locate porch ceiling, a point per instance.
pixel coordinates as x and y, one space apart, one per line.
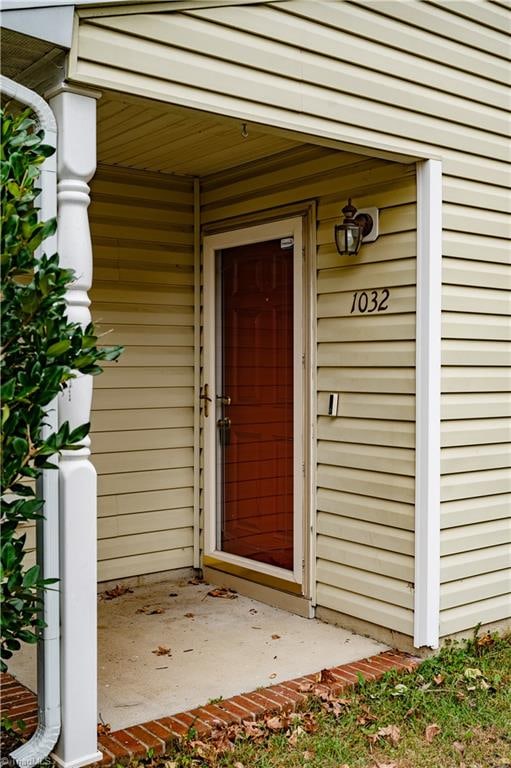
147 135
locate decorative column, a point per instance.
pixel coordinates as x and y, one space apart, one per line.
75 111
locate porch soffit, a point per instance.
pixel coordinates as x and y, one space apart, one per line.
30 61
152 136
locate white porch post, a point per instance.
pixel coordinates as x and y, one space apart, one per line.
76 162
428 389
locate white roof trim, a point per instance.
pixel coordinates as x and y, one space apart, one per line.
52 24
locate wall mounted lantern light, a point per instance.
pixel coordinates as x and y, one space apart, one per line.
356 227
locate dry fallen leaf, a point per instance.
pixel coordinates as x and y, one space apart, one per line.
326 676
485 641
293 738
439 679
275 637
162 650
385 765
390 731
366 717
251 729
309 722
225 592
458 746
104 729
274 723
117 591
150 611
431 731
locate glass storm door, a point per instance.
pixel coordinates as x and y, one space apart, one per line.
255 424
253 374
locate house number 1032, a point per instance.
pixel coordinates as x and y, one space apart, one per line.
370 301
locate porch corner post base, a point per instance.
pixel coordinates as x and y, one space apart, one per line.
75 112
88 760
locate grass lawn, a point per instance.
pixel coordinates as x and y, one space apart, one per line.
455 711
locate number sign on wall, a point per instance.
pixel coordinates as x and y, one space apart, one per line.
370 301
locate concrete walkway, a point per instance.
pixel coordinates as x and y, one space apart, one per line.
216 648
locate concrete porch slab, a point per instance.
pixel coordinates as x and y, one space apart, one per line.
218 648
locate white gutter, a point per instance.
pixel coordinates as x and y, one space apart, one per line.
48 651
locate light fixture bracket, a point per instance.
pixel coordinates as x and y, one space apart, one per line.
370 217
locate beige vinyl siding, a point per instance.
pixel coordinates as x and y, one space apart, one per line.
414 79
366 456
142 420
476 414
476 396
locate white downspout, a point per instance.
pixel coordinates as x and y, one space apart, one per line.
196 372
48 652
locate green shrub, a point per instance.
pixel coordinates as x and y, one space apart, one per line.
41 353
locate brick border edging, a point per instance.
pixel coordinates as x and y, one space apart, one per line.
18 702
158 735
127 743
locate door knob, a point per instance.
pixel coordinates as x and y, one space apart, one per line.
224 426
224 399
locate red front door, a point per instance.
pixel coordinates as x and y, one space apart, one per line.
255 420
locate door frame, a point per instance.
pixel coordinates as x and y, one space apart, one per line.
292 581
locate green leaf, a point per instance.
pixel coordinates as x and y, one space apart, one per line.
9 557
17 163
20 446
79 433
46 150
49 228
7 390
5 413
31 577
14 189
59 348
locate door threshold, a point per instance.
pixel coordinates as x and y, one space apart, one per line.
278 598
